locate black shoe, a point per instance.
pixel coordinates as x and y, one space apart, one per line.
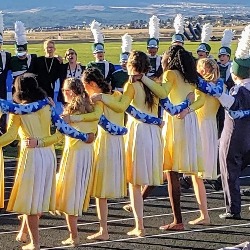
230 216
184 182
245 192
215 184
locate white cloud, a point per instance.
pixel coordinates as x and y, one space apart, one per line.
89 7
25 11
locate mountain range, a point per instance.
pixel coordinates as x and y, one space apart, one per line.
37 13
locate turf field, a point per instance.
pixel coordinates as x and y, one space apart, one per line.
113 49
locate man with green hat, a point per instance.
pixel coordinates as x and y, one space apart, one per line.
22 62
152 48
225 71
204 48
234 150
4 68
178 37
107 68
120 76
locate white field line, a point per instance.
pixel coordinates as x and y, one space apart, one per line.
125 202
126 219
152 236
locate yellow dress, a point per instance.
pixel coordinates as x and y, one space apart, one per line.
183 151
182 142
143 147
1 176
74 179
109 179
209 135
33 191
76 172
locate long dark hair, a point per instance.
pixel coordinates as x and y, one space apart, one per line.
80 102
27 89
140 63
177 58
95 75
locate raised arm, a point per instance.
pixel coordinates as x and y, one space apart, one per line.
121 105
161 90
211 89
89 117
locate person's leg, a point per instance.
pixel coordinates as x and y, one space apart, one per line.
33 224
185 182
230 171
174 196
72 226
201 197
137 206
23 231
146 191
102 212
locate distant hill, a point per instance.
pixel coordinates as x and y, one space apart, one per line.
63 13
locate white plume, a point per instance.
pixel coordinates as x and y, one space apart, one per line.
179 24
154 29
1 22
227 38
243 49
206 33
126 43
20 33
96 31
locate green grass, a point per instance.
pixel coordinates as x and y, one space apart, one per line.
113 49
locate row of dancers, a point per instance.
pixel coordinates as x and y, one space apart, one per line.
102 167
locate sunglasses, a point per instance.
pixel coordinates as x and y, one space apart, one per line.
71 53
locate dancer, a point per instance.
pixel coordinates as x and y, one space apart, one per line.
209 70
144 142
109 179
35 175
75 173
180 78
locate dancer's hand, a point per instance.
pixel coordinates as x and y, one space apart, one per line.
135 78
51 102
31 143
96 97
182 114
66 118
162 124
91 138
191 97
